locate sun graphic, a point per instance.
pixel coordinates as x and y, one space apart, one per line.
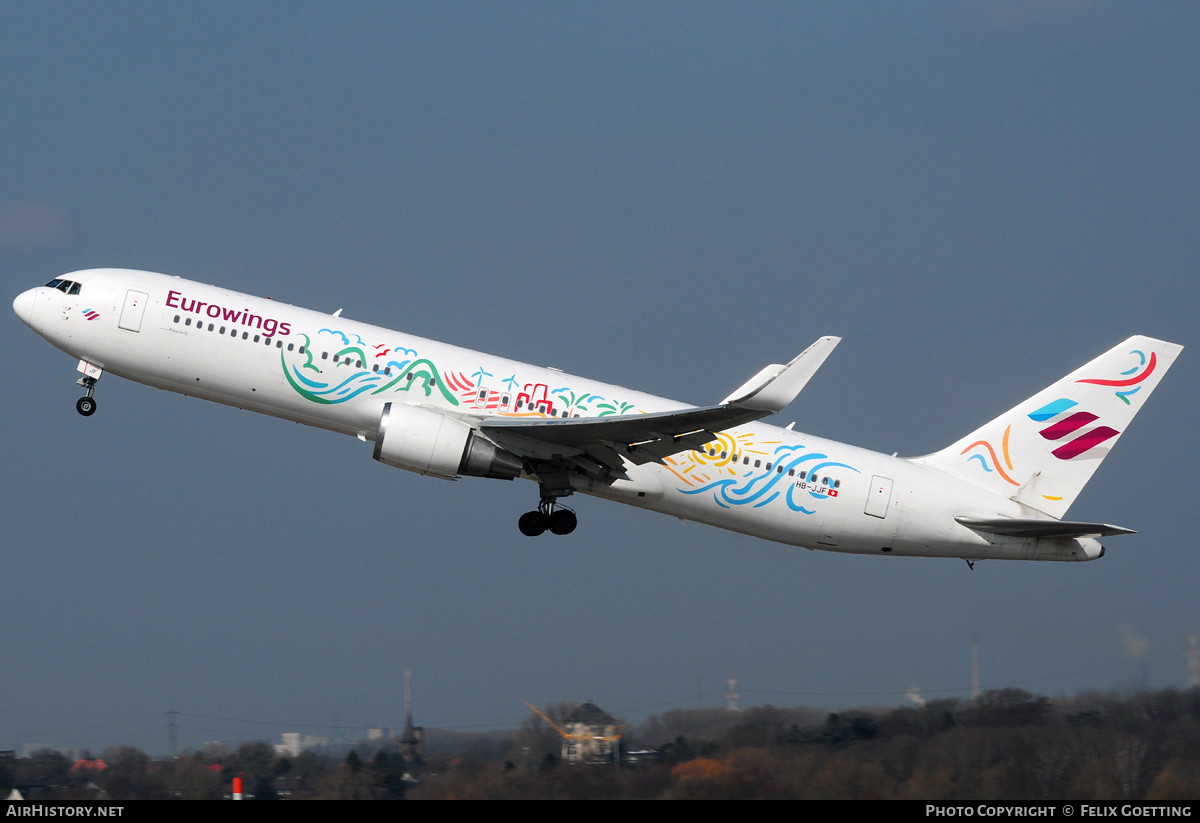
718 458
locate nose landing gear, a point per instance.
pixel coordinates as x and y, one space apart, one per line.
86 405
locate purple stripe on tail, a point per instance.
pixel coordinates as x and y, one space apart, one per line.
1067 425
1084 442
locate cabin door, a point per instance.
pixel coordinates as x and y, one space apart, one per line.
879 497
135 307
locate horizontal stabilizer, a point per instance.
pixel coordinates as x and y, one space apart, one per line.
1013 527
773 388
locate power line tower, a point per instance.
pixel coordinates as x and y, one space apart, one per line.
412 742
975 687
731 693
1193 660
172 733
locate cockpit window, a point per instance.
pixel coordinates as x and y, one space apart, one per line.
64 286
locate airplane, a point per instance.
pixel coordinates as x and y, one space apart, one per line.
1000 492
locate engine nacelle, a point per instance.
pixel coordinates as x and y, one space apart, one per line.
428 442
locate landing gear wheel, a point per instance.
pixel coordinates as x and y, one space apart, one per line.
563 521
532 524
86 406
548 514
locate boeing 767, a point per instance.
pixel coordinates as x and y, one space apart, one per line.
1000 492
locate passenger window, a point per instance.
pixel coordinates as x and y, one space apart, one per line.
387 371
757 463
302 350
325 356
222 331
279 344
210 326
375 368
245 335
187 322
291 346
256 338
177 318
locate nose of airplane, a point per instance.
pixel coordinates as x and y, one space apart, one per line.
23 305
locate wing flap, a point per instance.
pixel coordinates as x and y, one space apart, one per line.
642 438
632 428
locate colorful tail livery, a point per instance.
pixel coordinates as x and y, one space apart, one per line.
1043 452
447 412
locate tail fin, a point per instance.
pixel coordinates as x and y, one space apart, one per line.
1043 452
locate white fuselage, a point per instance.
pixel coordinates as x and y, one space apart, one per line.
334 373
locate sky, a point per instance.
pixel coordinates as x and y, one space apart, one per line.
977 197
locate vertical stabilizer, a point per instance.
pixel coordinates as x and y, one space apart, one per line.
1043 452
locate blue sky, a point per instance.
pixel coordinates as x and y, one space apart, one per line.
978 197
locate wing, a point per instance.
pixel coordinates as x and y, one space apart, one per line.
603 444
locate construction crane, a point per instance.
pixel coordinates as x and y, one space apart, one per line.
588 737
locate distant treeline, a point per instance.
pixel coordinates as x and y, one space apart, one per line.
1005 745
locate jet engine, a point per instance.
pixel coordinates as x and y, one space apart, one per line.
425 441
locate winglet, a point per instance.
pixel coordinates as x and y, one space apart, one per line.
773 388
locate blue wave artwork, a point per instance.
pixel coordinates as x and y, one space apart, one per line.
759 489
342 391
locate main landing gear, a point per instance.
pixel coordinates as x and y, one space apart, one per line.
558 519
86 405
553 482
